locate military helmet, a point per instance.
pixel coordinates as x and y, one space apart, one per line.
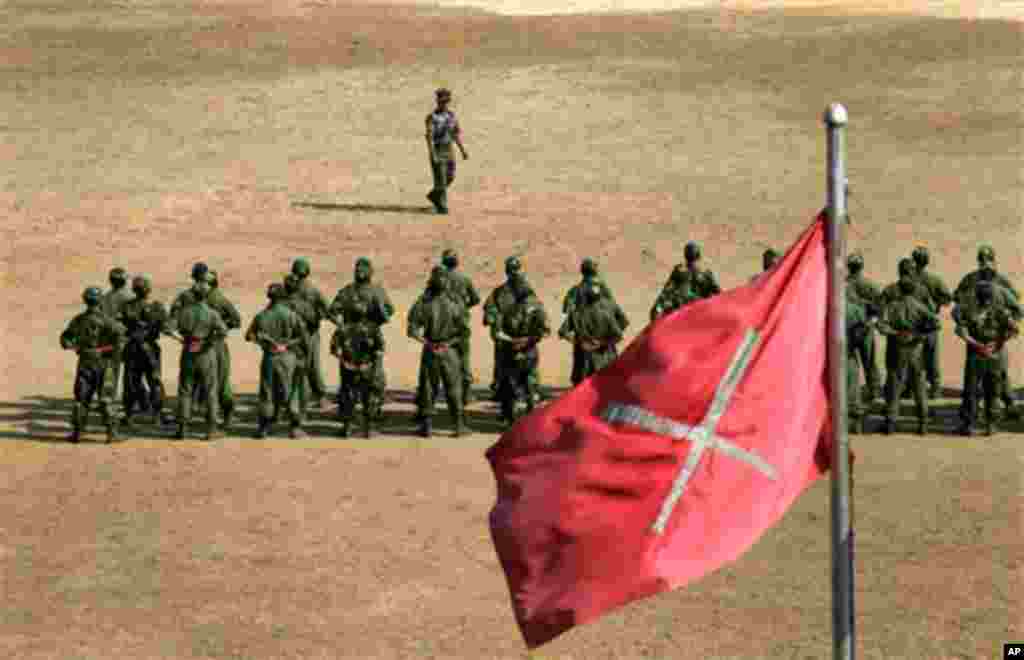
588 267
921 255
691 251
513 265
141 283
986 253
301 267
769 258
199 269
907 267
92 295
275 291
450 258
443 94
855 261
364 261
118 275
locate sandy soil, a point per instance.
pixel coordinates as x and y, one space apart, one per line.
154 134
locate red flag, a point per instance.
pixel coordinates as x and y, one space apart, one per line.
674 459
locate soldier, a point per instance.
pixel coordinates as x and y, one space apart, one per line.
517 331
907 268
595 325
677 293
442 130
905 321
201 328
460 286
985 327
940 297
591 273
295 300
856 328
769 259
869 295
282 335
501 299
145 321
379 312
111 304
438 321
317 385
356 345
96 338
1003 293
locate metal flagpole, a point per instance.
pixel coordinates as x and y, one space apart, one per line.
842 539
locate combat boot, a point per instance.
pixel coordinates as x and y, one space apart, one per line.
426 427
890 427
1012 413
988 427
366 425
922 427
344 430
460 426
76 424
853 426
180 434
228 414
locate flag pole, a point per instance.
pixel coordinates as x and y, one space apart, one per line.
842 539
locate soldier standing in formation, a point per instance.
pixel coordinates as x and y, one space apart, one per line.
460 286
439 321
233 320
685 284
940 297
595 325
299 303
894 291
574 298
145 321
318 387
201 328
356 344
111 304
516 332
869 296
97 338
1004 294
501 299
442 130
379 311
905 321
856 328
985 327
282 335
768 260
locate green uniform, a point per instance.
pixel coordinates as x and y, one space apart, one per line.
97 338
380 311
314 372
574 296
703 282
499 302
856 328
461 287
905 321
439 320
145 321
201 328
869 295
525 319
283 336
595 329
303 308
986 324
357 345
232 320
889 294
112 304
940 297
677 293
1003 294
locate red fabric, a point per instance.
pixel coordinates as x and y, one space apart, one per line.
577 495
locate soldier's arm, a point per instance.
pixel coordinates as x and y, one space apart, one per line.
567 330
1006 284
119 334
567 302
69 338
472 293
252 334
712 284
387 310
302 335
620 317
940 292
490 310
414 325
233 318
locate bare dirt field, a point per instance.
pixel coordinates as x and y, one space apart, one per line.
153 134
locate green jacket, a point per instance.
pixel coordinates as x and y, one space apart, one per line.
906 320
437 319
866 292
375 297
215 300
279 324
602 320
113 301
357 343
90 330
498 303
200 321
573 297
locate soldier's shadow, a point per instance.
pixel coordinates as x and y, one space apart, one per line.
40 419
365 208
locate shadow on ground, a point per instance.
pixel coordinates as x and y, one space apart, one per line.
364 208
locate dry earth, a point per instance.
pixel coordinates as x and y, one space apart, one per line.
152 134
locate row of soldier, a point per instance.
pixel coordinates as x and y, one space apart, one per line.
291 379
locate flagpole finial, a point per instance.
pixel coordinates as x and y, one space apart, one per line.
835 115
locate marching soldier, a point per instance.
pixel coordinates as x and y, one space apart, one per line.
282 335
356 345
985 327
905 321
869 295
940 297
438 321
595 326
442 130
379 311
517 331
677 293
460 286
295 300
501 299
145 320
96 337
201 328
111 304
317 385
1003 293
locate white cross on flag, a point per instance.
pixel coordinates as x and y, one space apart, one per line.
674 459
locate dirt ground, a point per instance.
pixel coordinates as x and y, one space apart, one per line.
153 134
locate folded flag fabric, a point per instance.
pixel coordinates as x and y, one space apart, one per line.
675 458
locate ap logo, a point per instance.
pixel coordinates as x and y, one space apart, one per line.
1015 650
